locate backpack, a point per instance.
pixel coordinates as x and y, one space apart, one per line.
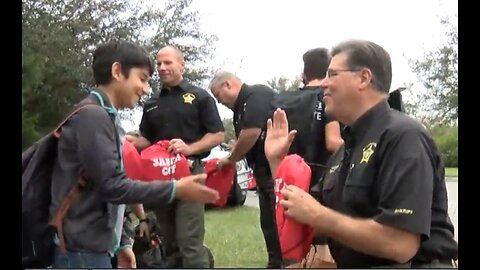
299 107
221 181
38 231
158 164
294 238
150 251
395 100
132 162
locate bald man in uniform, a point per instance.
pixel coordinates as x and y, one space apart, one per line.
188 117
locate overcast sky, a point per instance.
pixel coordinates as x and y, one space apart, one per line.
262 39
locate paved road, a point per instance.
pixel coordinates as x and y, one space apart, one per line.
452 189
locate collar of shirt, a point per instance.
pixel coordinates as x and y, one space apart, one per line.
183 86
242 97
104 102
360 127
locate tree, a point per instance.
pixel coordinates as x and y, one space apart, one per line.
179 26
438 72
282 84
415 105
59 37
446 139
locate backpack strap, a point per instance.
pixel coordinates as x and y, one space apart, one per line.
56 131
112 112
74 193
59 214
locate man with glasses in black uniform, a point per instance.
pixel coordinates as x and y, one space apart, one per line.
384 200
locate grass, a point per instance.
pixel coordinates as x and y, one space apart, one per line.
451 172
235 238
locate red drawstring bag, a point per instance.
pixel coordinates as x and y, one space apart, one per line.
295 238
132 163
158 164
221 180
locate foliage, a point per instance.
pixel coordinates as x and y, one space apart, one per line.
282 84
446 139
59 37
438 72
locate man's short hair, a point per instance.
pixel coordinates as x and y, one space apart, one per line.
315 63
366 54
220 77
129 55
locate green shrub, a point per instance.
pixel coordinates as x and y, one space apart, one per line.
446 138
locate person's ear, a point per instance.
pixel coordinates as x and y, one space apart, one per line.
228 84
182 70
116 71
366 78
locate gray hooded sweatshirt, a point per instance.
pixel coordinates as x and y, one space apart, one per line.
88 141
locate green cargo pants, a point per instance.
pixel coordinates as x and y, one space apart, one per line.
182 229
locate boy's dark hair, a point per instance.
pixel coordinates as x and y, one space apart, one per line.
129 56
315 63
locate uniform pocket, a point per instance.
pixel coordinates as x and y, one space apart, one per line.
358 194
328 185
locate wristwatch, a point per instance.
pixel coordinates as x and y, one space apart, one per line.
144 220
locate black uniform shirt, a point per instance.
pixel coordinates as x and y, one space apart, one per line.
390 171
186 112
252 110
317 154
